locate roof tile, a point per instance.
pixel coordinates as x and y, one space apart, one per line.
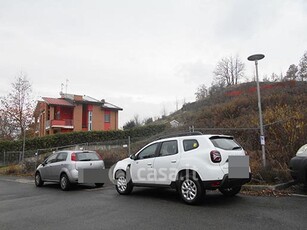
57 101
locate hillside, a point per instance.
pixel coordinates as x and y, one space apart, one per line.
234 111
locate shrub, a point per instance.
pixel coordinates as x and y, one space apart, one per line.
80 137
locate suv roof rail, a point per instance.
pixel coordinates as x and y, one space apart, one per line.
180 135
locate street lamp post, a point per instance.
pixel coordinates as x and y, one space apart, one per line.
256 58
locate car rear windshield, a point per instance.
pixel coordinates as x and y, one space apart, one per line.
87 156
227 143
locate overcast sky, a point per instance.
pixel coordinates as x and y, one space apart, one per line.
143 55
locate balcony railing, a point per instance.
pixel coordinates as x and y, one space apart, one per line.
65 123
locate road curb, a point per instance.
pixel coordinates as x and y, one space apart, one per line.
269 187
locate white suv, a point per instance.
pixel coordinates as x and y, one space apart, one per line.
191 163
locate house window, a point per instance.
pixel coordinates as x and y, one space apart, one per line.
90 119
107 117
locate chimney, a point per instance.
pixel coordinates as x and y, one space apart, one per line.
78 98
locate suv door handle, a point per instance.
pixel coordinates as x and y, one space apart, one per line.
149 164
173 161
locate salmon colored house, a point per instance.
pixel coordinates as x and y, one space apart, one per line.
72 113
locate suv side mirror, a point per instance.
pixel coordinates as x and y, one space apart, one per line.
132 157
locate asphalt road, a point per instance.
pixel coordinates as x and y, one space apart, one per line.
23 206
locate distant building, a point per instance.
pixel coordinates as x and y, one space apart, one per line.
71 113
174 124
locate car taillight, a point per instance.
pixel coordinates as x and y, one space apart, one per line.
215 156
99 156
73 157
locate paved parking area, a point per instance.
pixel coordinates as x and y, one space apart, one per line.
23 206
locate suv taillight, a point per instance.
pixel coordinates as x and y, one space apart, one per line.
215 156
73 157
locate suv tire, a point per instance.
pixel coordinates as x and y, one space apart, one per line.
229 192
190 189
122 186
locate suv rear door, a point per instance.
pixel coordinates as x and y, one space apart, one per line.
166 162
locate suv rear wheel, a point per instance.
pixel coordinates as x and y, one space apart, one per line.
123 186
230 191
190 189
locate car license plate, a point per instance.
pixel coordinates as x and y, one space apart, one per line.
238 167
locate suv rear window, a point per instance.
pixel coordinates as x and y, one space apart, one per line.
87 156
227 143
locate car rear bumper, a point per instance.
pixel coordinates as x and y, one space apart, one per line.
226 182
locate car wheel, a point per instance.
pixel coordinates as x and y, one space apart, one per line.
230 191
190 189
64 182
99 185
38 180
123 186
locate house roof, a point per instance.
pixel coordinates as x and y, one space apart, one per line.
108 105
71 100
57 101
80 98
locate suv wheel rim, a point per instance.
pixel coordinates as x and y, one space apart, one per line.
122 183
189 189
63 182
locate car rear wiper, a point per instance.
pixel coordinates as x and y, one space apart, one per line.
86 160
237 147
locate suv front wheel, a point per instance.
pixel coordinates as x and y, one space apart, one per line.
123 186
190 189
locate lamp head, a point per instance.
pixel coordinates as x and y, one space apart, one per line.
255 57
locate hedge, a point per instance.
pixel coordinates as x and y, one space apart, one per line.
72 138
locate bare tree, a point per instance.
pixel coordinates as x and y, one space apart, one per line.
164 111
147 121
6 130
229 71
292 72
302 67
136 119
17 106
202 92
129 125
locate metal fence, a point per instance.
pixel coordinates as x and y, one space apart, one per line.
33 158
123 147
